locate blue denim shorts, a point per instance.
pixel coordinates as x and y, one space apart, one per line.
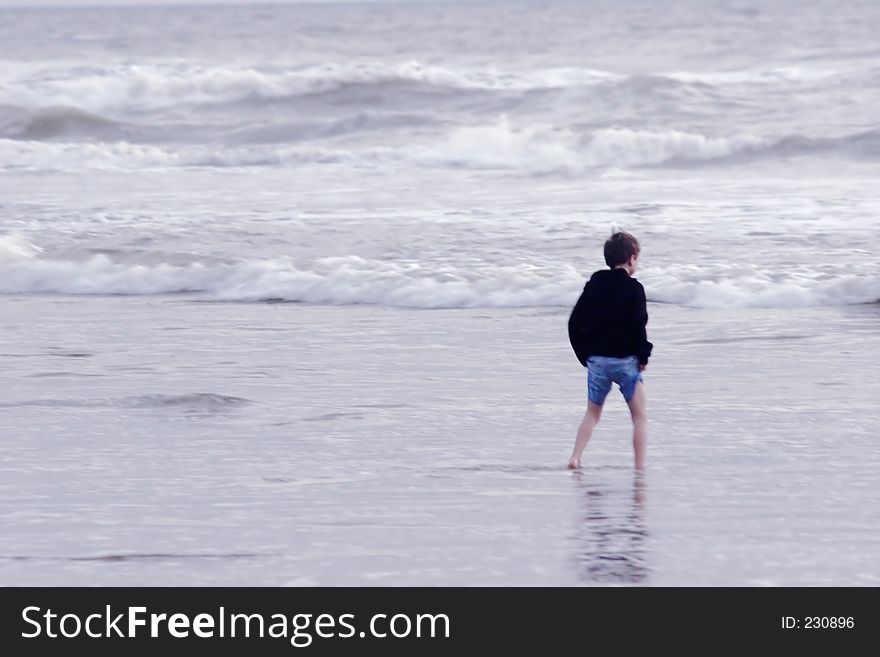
605 370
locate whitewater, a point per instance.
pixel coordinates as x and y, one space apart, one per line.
243 246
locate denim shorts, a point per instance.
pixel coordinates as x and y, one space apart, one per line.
603 370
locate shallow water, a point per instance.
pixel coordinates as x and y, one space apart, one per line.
191 443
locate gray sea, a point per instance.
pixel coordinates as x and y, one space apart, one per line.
284 292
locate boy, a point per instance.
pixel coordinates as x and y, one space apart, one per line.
607 333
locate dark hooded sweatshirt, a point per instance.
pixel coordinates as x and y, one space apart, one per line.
610 317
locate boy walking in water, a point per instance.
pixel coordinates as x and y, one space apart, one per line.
607 333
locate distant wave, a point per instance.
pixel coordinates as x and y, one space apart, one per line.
354 280
145 88
148 88
861 145
529 149
73 125
372 115
52 122
545 148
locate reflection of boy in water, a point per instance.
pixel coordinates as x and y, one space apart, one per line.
613 542
607 333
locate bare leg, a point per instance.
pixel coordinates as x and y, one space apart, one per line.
591 419
638 408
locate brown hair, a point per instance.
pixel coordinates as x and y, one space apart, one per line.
619 248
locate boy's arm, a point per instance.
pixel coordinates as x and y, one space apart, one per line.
643 347
577 325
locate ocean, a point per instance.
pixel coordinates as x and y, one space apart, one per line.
284 292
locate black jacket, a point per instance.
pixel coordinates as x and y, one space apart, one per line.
610 317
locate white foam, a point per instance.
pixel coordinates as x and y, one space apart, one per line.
355 280
504 146
16 248
546 148
346 280
751 287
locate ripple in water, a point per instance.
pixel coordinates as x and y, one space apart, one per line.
196 401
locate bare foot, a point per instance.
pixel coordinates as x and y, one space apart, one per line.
573 465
